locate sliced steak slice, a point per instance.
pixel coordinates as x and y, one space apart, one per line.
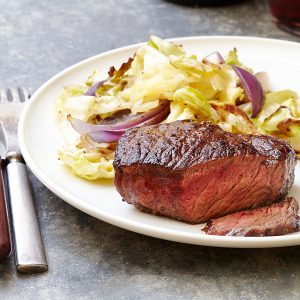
276 219
194 172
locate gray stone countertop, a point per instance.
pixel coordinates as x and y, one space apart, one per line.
90 259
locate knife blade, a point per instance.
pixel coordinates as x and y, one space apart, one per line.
5 244
2 142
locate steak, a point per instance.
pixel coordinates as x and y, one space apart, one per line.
276 219
194 172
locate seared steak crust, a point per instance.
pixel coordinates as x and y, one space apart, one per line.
195 171
276 219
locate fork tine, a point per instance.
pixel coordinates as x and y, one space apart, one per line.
25 93
3 95
15 95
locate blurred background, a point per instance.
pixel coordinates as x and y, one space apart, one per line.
40 38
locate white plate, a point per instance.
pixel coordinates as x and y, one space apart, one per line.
40 138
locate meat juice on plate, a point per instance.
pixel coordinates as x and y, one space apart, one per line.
286 14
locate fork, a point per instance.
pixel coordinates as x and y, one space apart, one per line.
28 246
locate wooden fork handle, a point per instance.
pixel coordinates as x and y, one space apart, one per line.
5 246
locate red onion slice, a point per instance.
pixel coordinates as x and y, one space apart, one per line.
111 133
253 89
93 89
125 123
214 58
157 118
87 128
105 136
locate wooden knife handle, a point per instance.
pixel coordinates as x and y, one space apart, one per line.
5 246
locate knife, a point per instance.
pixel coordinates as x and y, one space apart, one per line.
5 245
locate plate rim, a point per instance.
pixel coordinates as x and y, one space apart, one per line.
135 226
